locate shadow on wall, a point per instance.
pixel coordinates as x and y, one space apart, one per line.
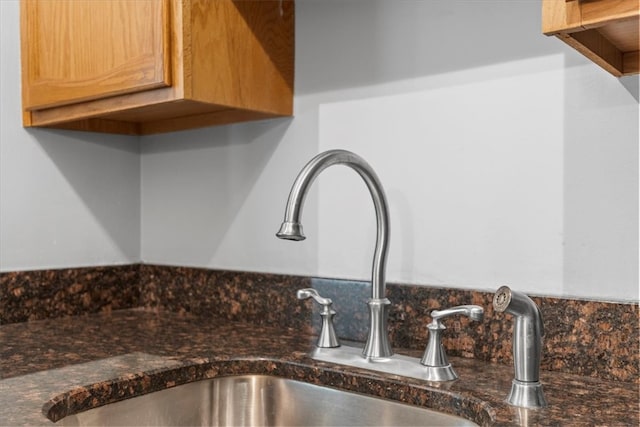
103 171
632 84
370 42
195 191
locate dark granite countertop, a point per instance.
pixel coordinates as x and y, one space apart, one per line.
60 366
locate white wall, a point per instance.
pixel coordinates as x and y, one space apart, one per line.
506 157
66 198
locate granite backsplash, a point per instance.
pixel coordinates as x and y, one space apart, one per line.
43 294
589 338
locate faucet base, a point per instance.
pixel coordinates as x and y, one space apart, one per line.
526 395
441 373
397 364
377 345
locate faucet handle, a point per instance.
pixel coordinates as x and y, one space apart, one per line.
312 293
435 357
473 312
327 338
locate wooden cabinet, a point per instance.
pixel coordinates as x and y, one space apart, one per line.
150 66
605 31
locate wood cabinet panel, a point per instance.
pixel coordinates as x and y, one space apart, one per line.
86 49
194 63
259 52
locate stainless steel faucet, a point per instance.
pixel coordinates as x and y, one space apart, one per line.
526 389
377 354
377 345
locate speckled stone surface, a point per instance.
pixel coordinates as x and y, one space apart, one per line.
42 294
589 338
55 367
265 299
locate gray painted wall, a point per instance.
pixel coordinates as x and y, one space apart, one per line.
66 198
506 156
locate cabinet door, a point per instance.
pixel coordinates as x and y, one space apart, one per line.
77 50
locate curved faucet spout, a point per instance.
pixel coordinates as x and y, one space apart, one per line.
291 228
378 343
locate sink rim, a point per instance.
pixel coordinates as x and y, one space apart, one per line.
422 394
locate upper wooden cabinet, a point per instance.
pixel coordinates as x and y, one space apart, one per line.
605 31
150 66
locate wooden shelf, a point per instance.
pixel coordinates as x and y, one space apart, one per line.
605 31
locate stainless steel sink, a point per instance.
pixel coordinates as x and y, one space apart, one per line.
256 400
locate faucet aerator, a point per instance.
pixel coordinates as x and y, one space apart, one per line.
290 231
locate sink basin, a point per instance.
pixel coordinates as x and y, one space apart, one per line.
257 400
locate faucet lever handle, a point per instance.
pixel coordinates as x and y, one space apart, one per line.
434 358
473 312
328 337
312 293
